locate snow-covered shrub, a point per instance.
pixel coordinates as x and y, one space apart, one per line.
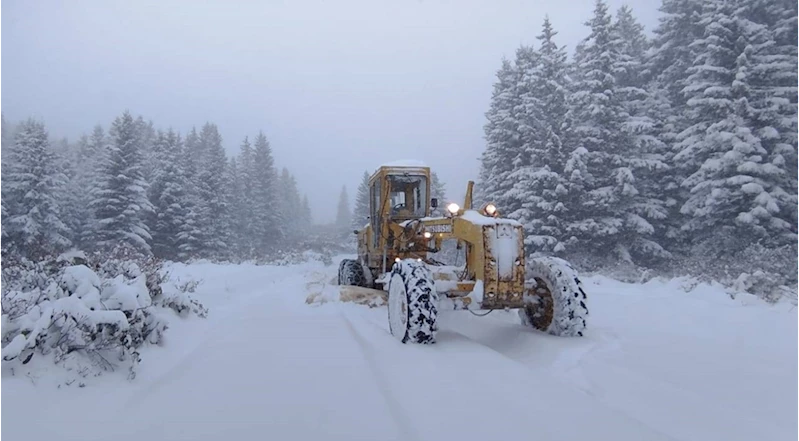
768 272
88 315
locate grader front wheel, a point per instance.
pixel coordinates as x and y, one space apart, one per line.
555 301
412 303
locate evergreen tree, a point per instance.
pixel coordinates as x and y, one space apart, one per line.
734 189
290 204
92 155
360 213
121 205
191 241
502 137
267 218
32 184
343 216
648 155
167 195
212 190
609 216
307 218
147 137
438 190
538 182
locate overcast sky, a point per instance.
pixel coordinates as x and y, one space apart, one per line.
338 87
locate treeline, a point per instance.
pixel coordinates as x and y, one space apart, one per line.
678 148
155 191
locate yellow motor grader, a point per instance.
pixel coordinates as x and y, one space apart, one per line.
394 251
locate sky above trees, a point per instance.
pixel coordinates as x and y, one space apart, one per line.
338 88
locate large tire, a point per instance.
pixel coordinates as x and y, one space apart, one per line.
350 273
412 303
555 301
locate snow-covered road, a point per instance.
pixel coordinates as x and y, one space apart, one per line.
657 364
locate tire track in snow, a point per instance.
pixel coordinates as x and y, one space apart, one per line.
404 424
466 354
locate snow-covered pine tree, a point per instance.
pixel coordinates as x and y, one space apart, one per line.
244 225
343 213
147 138
267 218
525 116
769 29
71 205
735 192
290 206
121 206
167 195
239 242
31 184
212 189
92 156
605 218
647 159
672 53
670 56
438 190
538 183
191 243
307 218
502 137
360 212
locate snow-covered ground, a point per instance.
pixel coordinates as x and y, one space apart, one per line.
657 364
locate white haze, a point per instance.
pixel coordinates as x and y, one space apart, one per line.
338 87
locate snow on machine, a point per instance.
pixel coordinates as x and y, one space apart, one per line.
393 250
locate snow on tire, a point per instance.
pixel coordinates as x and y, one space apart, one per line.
556 301
412 303
350 273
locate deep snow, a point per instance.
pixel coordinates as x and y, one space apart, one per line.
658 363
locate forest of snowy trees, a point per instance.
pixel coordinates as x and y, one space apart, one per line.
678 149
160 193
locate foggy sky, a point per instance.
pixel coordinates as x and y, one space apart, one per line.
338 87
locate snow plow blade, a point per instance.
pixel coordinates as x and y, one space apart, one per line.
321 292
363 296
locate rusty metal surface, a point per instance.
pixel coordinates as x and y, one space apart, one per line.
502 290
541 309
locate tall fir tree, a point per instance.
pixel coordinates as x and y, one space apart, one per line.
735 192
121 205
343 213
290 206
438 190
501 135
538 183
360 212
212 189
32 183
267 217
307 217
167 194
93 154
610 216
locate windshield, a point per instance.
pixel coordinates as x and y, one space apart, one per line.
408 196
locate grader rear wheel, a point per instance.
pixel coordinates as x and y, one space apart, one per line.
555 301
351 273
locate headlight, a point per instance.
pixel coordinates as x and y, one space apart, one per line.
453 208
490 209
428 235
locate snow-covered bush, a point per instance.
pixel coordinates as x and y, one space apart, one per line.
87 314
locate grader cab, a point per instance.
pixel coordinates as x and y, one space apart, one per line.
394 249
